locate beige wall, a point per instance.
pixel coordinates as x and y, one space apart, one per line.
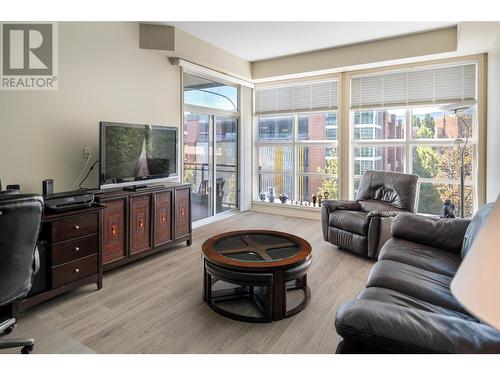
103 75
493 113
174 42
420 44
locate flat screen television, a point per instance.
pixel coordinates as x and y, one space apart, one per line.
132 154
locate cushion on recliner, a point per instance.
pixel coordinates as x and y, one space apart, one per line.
398 189
352 221
421 256
425 285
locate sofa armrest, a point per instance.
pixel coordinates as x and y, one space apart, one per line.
378 326
446 234
328 206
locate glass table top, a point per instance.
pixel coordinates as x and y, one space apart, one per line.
254 247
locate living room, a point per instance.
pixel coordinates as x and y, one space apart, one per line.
207 185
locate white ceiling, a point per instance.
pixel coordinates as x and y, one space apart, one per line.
254 41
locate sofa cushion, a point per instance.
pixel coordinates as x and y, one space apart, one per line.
422 284
446 234
421 256
392 297
376 326
351 221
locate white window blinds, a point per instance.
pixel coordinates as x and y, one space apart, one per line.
317 96
423 86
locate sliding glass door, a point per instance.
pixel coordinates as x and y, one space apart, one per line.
211 163
211 121
198 169
226 163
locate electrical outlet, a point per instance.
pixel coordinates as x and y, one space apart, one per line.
87 152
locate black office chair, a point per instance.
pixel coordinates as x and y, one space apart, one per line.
20 222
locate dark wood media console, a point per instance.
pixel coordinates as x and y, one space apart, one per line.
143 222
76 246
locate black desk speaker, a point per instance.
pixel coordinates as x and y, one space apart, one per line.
47 187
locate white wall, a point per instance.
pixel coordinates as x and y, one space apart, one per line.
493 132
103 75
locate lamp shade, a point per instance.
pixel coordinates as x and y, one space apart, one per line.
476 284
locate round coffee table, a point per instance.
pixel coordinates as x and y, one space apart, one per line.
257 267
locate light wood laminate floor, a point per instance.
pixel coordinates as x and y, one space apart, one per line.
155 306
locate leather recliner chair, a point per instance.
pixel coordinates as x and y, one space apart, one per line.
362 225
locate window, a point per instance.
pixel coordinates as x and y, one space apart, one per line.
399 125
203 92
297 151
430 151
275 128
397 122
418 137
299 166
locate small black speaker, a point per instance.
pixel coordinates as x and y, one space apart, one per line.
48 187
14 187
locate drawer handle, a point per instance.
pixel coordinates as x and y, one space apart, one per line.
76 227
77 248
183 211
77 270
163 218
113 230
140 224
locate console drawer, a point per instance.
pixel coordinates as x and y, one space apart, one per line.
75 270
72 227
67 251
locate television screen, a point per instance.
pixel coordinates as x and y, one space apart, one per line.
131 152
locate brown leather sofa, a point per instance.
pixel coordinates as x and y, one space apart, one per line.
357 225
407 305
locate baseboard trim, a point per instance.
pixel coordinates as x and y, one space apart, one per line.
311 213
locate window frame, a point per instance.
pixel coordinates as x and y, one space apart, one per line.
205 109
